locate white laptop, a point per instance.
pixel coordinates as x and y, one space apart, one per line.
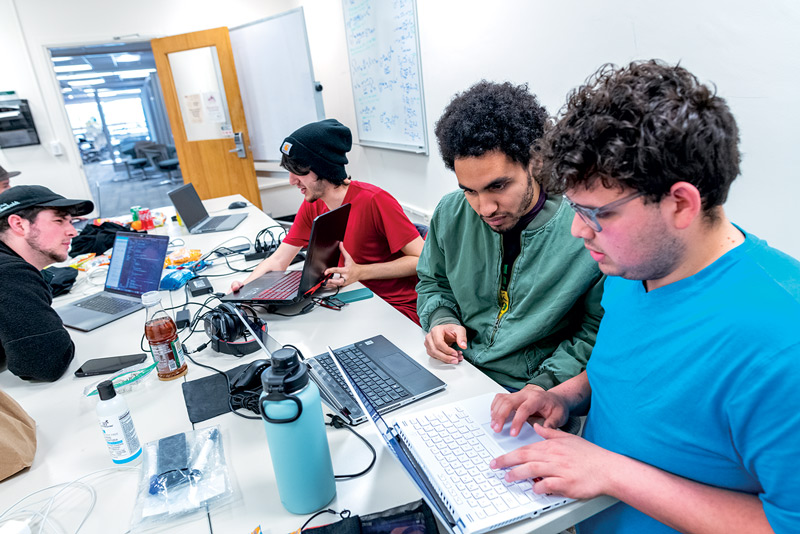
137 261
446 451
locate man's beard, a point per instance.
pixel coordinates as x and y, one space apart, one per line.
523 209
55 256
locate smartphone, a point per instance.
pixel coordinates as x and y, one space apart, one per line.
111 364
354 295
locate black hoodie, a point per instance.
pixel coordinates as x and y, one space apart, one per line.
33 341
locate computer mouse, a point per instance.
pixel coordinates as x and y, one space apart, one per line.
237 205
249 378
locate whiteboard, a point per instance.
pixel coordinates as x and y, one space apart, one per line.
276 80
386 73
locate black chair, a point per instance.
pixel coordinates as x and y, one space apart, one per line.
131 162
158 158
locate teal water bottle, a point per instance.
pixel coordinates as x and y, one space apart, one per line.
292 413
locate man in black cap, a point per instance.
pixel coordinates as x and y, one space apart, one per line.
35 231
381 246
5 178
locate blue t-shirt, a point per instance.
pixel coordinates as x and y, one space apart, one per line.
700 378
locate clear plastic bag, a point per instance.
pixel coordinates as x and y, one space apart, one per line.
175 482
128 379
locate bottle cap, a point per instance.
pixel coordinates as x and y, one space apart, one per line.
150 298
286 371
105 390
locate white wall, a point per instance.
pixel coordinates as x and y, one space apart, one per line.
748 49
29 27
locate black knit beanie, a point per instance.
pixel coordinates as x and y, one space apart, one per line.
322 147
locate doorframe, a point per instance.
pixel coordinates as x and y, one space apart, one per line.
71 149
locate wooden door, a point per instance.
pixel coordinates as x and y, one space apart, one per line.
201 93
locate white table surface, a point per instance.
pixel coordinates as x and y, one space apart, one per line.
70 444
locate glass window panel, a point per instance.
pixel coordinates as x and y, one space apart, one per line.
198 82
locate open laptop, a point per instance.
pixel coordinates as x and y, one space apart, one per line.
385 373
391 377
446 451
289 287
194 214
136 264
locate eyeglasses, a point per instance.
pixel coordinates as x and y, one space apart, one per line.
589 215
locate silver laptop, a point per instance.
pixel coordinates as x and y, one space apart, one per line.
137 261
194 215
385 373
446 451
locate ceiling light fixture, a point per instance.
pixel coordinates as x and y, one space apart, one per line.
107 93
84 76
127 58
72 68
127 74
96 81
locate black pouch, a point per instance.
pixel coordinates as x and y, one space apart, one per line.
412 518
96 239
60 279
207 397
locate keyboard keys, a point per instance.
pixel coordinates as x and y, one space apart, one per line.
373 381
455 442
284 288
214 222
106 304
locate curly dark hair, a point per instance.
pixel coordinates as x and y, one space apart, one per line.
645 126
491 116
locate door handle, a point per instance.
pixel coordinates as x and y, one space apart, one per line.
238 140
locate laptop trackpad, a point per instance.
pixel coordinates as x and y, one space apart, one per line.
399 364
526 436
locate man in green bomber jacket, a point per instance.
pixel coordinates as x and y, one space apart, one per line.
502 282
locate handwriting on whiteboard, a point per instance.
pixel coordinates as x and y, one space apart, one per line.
385 69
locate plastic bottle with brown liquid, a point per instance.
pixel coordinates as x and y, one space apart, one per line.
162 335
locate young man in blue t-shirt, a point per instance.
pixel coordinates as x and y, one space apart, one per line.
693 415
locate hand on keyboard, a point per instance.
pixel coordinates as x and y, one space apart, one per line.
564 464
529 401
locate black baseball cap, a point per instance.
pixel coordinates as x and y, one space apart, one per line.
20 197
5 175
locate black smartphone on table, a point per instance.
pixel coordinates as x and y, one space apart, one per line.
111 364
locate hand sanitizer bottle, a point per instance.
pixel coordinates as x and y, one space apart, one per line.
117 425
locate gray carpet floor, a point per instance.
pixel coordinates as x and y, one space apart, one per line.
114 192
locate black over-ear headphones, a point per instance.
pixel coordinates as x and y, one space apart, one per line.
223 327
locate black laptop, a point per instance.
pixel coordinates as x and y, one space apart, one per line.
137 261
289 287
194 215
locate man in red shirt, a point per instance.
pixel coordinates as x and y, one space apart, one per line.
381 246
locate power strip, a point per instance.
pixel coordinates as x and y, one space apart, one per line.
255 256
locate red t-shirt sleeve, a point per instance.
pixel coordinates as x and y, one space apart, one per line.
300 232
392 221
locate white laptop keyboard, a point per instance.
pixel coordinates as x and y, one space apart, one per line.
460 447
